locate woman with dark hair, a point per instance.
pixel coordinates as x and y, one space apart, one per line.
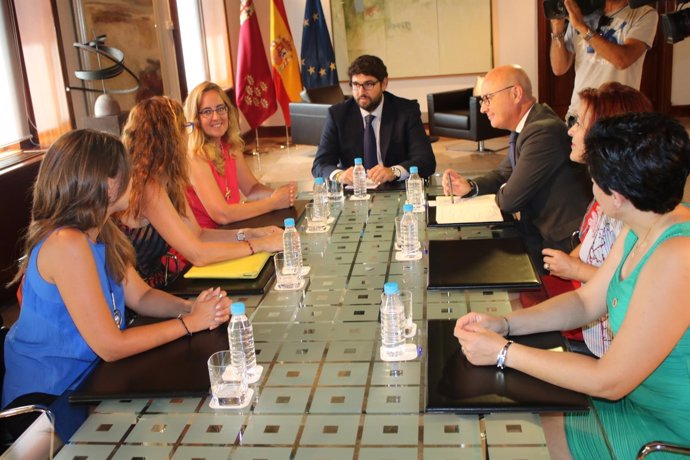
159 217
218 171
598 231
78 274
639 164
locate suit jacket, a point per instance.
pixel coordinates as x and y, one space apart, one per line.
550 192
403 140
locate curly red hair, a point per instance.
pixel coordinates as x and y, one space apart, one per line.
155 139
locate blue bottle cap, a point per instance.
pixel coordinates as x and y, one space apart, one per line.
414 170
407 207
390 288
237 308
358 161
289 222
318 180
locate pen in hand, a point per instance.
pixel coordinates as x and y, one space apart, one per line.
450 187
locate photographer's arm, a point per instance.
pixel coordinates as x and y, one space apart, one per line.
561 58
621 56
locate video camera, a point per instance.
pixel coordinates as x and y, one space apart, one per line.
675 26
555 9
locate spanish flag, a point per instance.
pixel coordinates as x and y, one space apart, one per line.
286 74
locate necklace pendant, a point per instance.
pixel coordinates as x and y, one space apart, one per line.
227 193
117 317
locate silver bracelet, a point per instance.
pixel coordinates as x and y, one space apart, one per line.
501 358
507 326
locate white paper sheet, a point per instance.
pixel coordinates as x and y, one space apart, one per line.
477 209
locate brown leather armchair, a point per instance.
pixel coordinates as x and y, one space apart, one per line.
456 114
309 116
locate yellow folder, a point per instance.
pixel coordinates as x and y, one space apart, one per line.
245 268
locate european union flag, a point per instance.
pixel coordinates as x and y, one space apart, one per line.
318 59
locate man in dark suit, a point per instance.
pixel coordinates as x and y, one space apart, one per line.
537 178
386 131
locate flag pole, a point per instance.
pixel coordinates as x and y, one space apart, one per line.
287 144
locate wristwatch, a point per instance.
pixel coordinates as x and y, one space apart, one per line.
396 172
240 235
474 189
588 36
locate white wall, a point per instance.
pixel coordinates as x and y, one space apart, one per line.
680 89
515 35
514 24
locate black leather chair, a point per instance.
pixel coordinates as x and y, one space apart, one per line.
309 116
5 438
456 114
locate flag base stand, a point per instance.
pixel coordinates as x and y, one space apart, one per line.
257 147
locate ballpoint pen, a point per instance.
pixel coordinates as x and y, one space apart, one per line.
450 186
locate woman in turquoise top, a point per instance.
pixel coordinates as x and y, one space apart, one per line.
79 274
640 387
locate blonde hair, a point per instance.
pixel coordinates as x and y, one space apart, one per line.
71 190
198 142
154 138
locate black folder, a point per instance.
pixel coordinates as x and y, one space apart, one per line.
454 385
176 369
496 263
184 287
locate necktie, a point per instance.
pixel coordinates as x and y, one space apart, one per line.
512 152
370 157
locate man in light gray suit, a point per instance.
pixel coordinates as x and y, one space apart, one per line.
537 178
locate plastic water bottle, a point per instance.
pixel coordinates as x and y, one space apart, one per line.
392 320
241 339
359 179
292 246
320 199
415 189
409 231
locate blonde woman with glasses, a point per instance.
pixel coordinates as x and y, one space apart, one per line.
219 174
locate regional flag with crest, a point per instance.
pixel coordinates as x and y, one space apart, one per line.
318 58
286 76
255 94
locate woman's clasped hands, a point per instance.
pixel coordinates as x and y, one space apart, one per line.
480 337
209 310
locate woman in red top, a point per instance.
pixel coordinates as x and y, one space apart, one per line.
218 172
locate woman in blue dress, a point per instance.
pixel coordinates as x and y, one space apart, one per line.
79 274
640 387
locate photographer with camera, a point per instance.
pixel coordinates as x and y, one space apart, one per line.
606 40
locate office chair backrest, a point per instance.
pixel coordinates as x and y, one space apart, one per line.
324 95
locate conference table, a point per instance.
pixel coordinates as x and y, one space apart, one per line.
325 393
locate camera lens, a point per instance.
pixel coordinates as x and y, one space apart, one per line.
676 26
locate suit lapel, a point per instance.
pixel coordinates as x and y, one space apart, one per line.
534 114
